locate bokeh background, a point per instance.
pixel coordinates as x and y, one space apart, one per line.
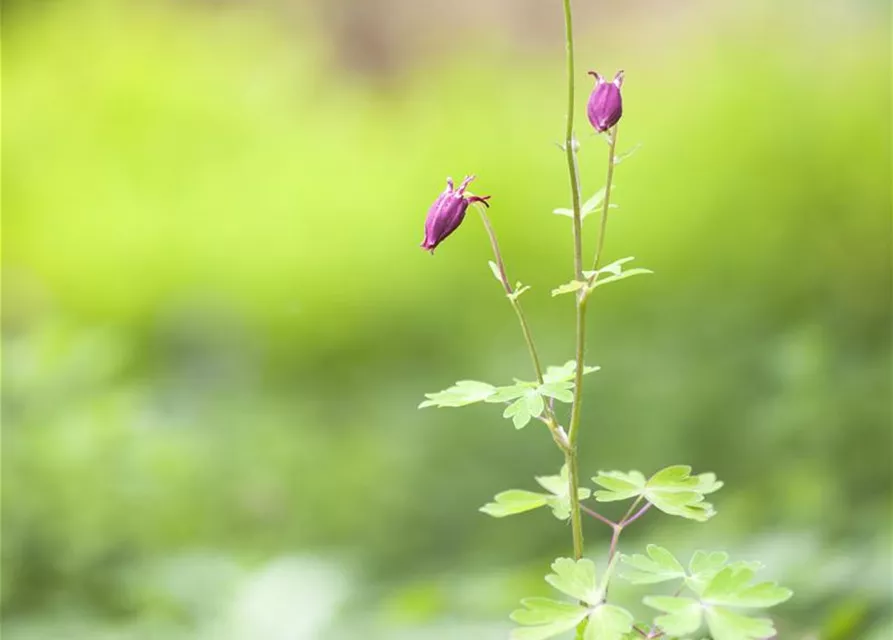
217 322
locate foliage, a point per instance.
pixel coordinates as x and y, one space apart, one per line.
158 216
719 588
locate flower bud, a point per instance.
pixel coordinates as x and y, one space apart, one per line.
605 105
447 213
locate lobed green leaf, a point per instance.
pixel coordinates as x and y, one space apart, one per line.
514 501
682 615
462 393
729 625
608 622
569 287
545 618
576 578
565 372
659 566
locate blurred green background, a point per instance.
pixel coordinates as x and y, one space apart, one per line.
217 322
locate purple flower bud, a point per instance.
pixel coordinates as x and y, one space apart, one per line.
447 213
605 105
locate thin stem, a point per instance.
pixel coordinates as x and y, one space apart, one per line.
551 421
579 355
570 151
639 514
510 292
500 265
570 458
614 539
632 508
597 516
606 203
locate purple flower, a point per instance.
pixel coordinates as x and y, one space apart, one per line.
605 105
447 213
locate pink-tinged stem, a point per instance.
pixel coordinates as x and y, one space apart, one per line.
614 538
637 515
598 516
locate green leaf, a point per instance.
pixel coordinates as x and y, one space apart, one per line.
621 276
565 372
675 491
519 291
615 272
707 483
528 403
569 287
593 203
707 563
460 394
535 403
719 585
519 412
514 501
615 268
683 615
509 393
561 391
545 618
726 582
702 567
559 487
728 625
626 154
731 587
619 485
659 566
577 579
495 269
608 622
586 208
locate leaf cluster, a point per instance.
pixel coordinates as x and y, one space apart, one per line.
604 275
525 400
719 591
516 501
673 490
543 618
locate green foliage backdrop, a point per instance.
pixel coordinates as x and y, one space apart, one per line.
218 323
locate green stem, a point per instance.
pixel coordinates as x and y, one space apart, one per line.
570 151
570 459
606 203
551 421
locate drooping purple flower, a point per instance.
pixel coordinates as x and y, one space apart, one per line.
447 213
605 104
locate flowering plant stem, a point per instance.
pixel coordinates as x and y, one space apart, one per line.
550 419
673 490
571 155
606 203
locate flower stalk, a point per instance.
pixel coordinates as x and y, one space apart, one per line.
570 150
551 421
606 203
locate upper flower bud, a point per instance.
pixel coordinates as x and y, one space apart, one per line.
447 213
605 105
